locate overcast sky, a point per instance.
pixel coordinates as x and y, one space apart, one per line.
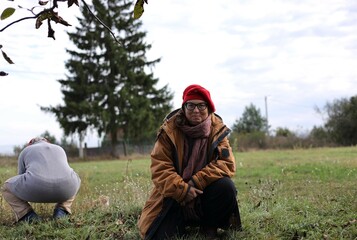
297 54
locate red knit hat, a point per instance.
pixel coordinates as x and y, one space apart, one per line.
197 92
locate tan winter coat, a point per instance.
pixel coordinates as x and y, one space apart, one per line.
166 168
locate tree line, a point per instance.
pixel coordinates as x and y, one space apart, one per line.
339 129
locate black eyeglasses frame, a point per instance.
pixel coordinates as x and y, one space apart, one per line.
200 106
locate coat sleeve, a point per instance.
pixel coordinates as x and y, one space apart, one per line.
21 168
222 166
163 171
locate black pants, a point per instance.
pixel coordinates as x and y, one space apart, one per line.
218 204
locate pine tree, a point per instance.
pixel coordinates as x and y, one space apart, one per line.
251 121
108 88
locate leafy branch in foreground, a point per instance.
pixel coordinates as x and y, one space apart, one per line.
50 15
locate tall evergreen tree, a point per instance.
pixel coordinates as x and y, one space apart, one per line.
108 87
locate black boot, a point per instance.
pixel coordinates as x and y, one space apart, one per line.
59 213
30 217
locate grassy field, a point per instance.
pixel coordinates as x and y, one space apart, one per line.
291 194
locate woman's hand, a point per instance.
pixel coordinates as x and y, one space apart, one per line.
192 194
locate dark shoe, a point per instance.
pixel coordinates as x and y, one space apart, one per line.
59 213
209 232
30 217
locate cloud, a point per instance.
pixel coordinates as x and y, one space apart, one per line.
296 51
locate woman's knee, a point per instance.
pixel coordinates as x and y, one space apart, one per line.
224 185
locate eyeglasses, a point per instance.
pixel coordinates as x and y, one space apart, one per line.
191 106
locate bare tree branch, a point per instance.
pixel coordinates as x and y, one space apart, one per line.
100 21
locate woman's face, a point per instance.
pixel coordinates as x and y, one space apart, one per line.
196 111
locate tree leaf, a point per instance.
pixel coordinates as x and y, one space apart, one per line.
38 23
57 19
2 73
70 2
7 13
51 32
42 3
138 9
43 16
7 57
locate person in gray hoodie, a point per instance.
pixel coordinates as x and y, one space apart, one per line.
44 176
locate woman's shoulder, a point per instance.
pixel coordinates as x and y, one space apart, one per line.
172 114
168 123
218 123
216 119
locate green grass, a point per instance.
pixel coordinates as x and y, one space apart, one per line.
290 194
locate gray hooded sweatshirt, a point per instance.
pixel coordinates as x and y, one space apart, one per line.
44 175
